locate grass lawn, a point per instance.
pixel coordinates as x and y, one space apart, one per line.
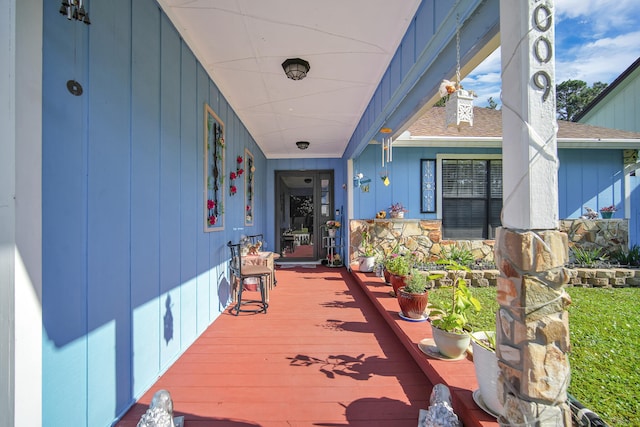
605 336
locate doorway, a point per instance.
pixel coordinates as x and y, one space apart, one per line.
304 202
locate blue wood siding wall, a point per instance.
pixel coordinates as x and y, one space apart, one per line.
620 109
130 278
590 178
404 174
586 178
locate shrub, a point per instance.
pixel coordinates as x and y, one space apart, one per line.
588 257
458 255
631 257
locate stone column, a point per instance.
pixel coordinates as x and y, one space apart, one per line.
533 327
532 323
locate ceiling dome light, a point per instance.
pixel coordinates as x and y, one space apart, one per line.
303 145
296 68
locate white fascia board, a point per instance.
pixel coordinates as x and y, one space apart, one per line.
492 142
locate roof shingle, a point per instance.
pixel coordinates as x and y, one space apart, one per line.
488 123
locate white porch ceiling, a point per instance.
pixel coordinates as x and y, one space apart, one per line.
242 44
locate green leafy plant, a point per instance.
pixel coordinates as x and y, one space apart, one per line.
630 257
418 281
452 315
398 265
588 257
367 247
458 255
488 342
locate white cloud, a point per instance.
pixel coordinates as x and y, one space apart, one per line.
601 16
602 60
596 40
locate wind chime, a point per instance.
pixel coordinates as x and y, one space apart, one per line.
459 105
387 156
74 9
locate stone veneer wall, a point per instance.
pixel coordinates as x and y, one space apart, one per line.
424 237
611 235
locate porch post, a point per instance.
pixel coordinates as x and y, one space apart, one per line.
532 323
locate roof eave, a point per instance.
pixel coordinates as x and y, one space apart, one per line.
494 142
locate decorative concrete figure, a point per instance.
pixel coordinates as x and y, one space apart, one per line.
160 412
440 413
591 214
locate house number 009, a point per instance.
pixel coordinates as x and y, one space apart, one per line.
542 48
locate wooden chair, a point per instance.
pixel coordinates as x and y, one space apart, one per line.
240 272
255 238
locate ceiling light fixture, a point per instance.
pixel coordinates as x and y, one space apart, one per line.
303 145
296 68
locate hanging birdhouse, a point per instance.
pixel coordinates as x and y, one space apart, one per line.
459 108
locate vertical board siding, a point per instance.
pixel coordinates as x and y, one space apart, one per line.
202 239
64 269
130 278
147 334
586 178
109 206
188 204
620 109
170 189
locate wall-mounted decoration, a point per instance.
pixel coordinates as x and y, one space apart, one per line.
233 189
427 186
214 146
248 187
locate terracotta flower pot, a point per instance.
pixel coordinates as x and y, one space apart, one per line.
387 276
413 306
397 282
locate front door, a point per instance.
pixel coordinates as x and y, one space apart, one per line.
304 202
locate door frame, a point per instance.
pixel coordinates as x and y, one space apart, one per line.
317 175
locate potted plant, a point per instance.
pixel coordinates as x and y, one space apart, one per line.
607 211
399 267
332 227
367 258
413 297
485 363
397 210
450 318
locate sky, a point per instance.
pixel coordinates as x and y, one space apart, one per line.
595 41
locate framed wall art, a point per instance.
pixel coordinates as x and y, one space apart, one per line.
427 186
214 191
248 187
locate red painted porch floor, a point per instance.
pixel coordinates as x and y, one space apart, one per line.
331 351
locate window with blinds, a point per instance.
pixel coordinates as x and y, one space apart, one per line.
471 198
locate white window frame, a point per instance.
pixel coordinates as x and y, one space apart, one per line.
444 156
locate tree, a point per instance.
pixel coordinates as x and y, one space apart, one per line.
572 96
493 105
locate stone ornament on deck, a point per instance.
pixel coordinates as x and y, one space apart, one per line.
440 413
160 412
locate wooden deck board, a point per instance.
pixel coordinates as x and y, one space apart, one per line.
321 356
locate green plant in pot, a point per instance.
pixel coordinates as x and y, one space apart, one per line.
449 319
485 363
389 256
367 258
399 267
413 297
